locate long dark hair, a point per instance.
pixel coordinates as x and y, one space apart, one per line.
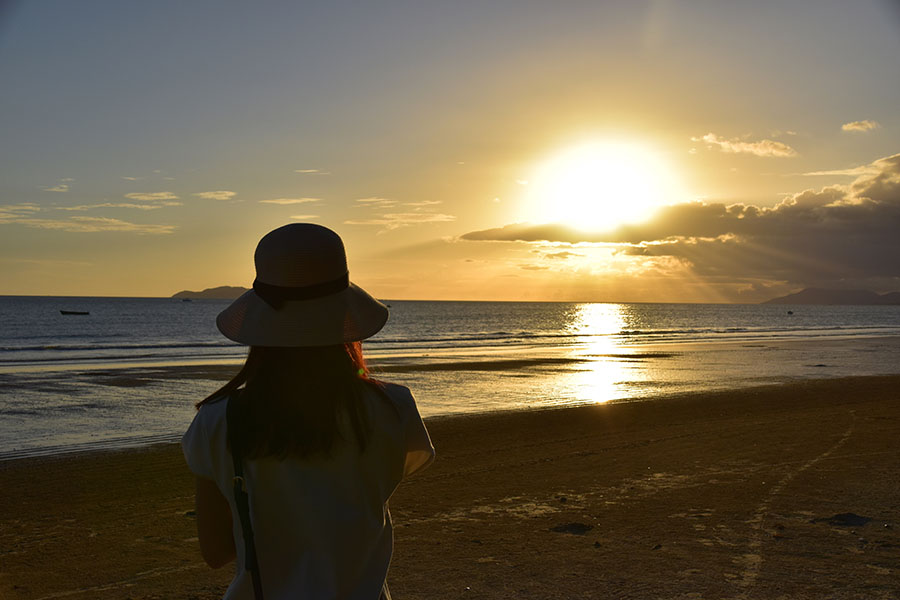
295 401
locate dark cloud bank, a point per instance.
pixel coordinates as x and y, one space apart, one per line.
840 236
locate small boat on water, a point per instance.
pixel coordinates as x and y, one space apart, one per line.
74 312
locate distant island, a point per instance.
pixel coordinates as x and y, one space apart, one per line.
821 296
224 292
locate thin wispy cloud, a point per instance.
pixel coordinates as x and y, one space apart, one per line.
27 216
860 126
131 178
562 255
764 148
312 172
852 172
303 217
216 195
93 225
151 196
375 201
286 201
422 203
99 224
62 187
397 220
11 212
131 205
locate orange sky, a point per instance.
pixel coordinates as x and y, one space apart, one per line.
658 151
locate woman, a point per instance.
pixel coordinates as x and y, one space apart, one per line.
322 446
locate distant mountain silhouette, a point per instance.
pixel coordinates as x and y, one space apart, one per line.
224 292
820 296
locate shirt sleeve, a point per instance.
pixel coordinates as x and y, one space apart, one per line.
419 450
196 447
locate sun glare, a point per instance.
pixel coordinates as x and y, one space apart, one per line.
600 186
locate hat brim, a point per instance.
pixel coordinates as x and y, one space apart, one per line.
350 315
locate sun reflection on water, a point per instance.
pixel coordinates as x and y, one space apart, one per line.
610 370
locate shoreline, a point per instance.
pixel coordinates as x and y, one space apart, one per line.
138 377
81 409
733 494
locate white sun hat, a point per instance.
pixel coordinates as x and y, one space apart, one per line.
302 295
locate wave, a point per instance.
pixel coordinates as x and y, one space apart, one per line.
486 336
660 332
59 352
102 347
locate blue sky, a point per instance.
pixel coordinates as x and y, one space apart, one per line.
147 146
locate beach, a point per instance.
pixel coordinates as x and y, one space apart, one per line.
782 491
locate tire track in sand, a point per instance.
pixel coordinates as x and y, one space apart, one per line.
753 559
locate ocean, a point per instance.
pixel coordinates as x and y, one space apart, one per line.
129 372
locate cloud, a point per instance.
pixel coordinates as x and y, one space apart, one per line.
562 255
83 207
152 201
852 172
312 172
860 126
131 178
836 236
767 148
529 232
397 220
94 224
151 196
10 213
26 215
62 187
375 201
304 217
290 200
216 195
378 202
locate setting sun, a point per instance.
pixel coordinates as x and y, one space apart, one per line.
601 185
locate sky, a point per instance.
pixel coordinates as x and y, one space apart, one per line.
641 151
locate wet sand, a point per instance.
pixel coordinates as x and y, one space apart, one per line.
787 491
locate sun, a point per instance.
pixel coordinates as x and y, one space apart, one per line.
600 185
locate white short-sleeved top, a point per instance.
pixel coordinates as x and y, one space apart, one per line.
322 526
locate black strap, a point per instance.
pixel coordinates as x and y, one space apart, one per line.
241 499
276 295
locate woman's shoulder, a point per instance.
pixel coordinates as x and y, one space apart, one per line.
212 412
394 390
399 395
204 441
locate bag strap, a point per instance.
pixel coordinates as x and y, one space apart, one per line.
241 499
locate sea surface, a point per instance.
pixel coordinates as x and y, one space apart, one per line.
129 371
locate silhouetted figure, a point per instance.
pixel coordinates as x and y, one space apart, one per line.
301 438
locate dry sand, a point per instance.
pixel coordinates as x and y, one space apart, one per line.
788 491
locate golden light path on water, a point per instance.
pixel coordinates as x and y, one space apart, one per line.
608 372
